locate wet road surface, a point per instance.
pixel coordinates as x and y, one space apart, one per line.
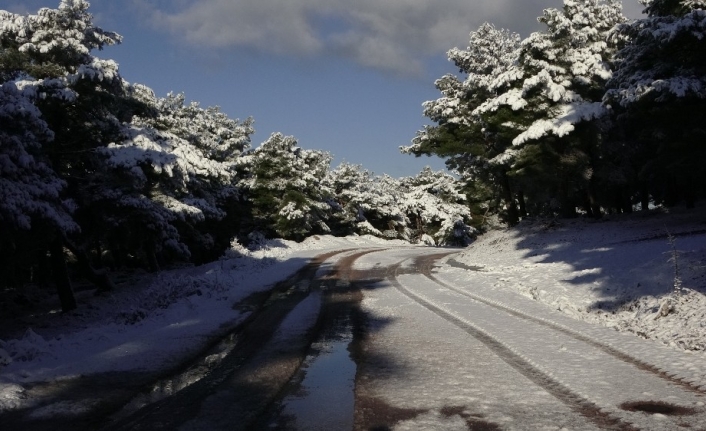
376 340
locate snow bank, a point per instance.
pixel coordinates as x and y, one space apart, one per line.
618 272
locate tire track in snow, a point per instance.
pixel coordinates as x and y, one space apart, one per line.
574 401
426 263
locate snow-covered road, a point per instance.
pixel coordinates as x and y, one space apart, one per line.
445 354
431 339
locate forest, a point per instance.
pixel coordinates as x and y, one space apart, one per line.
98 174
594 114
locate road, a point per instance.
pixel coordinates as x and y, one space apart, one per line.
430 351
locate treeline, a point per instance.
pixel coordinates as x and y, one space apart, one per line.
594 114
98 173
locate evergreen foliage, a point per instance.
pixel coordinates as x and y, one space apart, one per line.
658 92
592 114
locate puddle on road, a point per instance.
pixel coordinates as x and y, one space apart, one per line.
169 386
321 394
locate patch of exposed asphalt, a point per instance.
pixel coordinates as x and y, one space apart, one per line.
98 396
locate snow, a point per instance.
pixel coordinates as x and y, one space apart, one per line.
432 338
149 327
616 272
585 277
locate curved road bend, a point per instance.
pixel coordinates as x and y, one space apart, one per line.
433 355
448 358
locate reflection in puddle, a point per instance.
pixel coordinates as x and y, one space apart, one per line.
167 387
323 398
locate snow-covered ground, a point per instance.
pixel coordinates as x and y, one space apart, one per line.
156 323
619 272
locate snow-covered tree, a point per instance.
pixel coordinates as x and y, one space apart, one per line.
659 92
33 212
565 69
140 174
30 190
435 207
475 143
425 208
350 188
47 58
186 160
525 119
286 190
145 173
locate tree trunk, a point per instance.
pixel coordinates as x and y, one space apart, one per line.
568 208
523 205
593 199
626 199
644 196
99 278
512 212
587 203
61 276
151 255
671 198
689 192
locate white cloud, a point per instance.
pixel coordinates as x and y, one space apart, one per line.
394 35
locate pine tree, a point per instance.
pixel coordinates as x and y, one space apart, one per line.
565 69
191 158
436 208
33 213
47 56
286 190
659 92
476 144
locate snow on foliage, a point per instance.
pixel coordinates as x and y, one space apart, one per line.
218 136
285 188
490 64
562 66
30 190
526 107
143 175
416 209
437 207
58 33
180 164
664 57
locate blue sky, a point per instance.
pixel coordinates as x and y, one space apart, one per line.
347 77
